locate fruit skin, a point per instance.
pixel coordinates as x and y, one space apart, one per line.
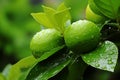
82 36
90 15
44 41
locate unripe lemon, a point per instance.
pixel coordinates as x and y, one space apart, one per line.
45 40
90 15
82 36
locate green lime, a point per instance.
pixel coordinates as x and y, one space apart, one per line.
45 40
82 36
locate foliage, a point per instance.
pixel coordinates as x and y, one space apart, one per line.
62 62
16 27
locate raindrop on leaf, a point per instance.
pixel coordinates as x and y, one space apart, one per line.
97 65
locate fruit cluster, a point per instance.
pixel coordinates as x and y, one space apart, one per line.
80 37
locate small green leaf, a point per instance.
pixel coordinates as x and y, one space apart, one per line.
109 8
48 10
61 18
19 70
42 19
50 14
61 7
49 67
104 57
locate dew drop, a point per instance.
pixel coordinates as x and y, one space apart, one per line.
97 65
111 53
88 61
109 27
112 67
84 57
104 67
77 60
110 61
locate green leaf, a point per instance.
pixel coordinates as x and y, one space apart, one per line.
49 67
2 77
61 18
50 14
94 7
42 19
19 70
62 75
76 69
48 54
109 8
52 18
6 70
104 57
61 7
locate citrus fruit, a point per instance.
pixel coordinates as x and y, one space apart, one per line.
82 36
45 40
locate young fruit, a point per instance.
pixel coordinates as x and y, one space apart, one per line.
82 36
45 40
90 15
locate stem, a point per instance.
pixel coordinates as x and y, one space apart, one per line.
113 24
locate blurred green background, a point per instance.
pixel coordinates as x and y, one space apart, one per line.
17 28
17 25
